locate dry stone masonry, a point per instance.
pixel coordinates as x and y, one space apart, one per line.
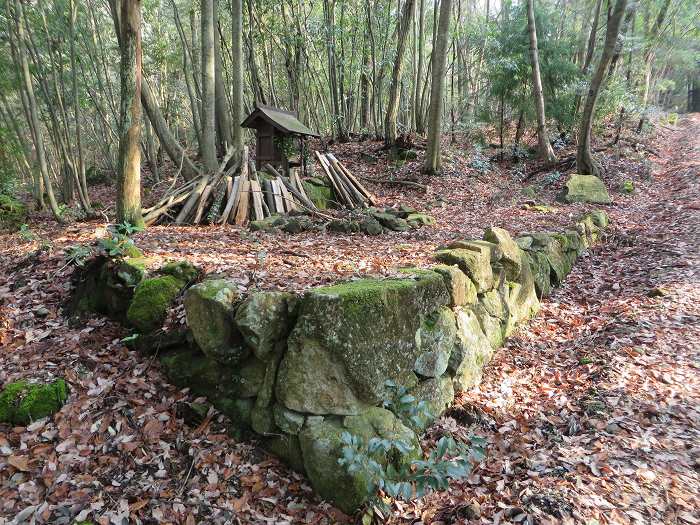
295 371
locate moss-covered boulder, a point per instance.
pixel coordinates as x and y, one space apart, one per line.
185 271
472 351
106 286
435 339
355 336
475 264
264 319
584 188
600 218
268 223
391 221
416 220
319 193
13 212
343 226
287 448
22 402
288 421
493 327
322 446
539 266
521 298
511 257
370 226
461 288
152 299
211 307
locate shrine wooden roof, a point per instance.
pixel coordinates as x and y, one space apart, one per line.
283 120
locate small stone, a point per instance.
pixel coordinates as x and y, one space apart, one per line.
41 312
657 292
613 428
371 226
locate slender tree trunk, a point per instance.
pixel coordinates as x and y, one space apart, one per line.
34 114
418 107
403 26
129 170
208 145
432 154
585 163
237 74
223 121
546 151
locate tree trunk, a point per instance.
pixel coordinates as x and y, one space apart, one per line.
223 121
169 142
403 26
418 107
546 151
237 74
34 114
585 163
129 164
432 154
207 146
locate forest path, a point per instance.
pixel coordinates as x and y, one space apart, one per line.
592 412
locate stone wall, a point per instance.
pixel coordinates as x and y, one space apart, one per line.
296 371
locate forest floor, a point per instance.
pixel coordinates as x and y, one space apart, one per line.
590 411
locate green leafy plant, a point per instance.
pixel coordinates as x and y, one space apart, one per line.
408 480
77 255
119 243
26 234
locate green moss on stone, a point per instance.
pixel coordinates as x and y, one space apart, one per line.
475 264
319 194
211 306
355 336
151 301
22 402
183 270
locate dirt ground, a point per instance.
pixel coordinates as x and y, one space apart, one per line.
590 412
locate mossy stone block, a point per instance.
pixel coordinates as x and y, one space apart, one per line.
355 336
22 402
475 264
152 299
211 307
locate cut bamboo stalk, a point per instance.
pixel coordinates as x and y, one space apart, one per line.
340 193
194 197
349 186
277 194
232 200
294 191
257 200
243 203
289 203
269 196
370 197
341 184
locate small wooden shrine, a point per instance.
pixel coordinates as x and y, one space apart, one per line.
276 131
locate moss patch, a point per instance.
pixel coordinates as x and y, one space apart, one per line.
13 213
152 298
182 270
22 402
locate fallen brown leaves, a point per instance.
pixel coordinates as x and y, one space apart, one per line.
590 412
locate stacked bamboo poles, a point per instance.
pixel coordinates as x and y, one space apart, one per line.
226 198
349 191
